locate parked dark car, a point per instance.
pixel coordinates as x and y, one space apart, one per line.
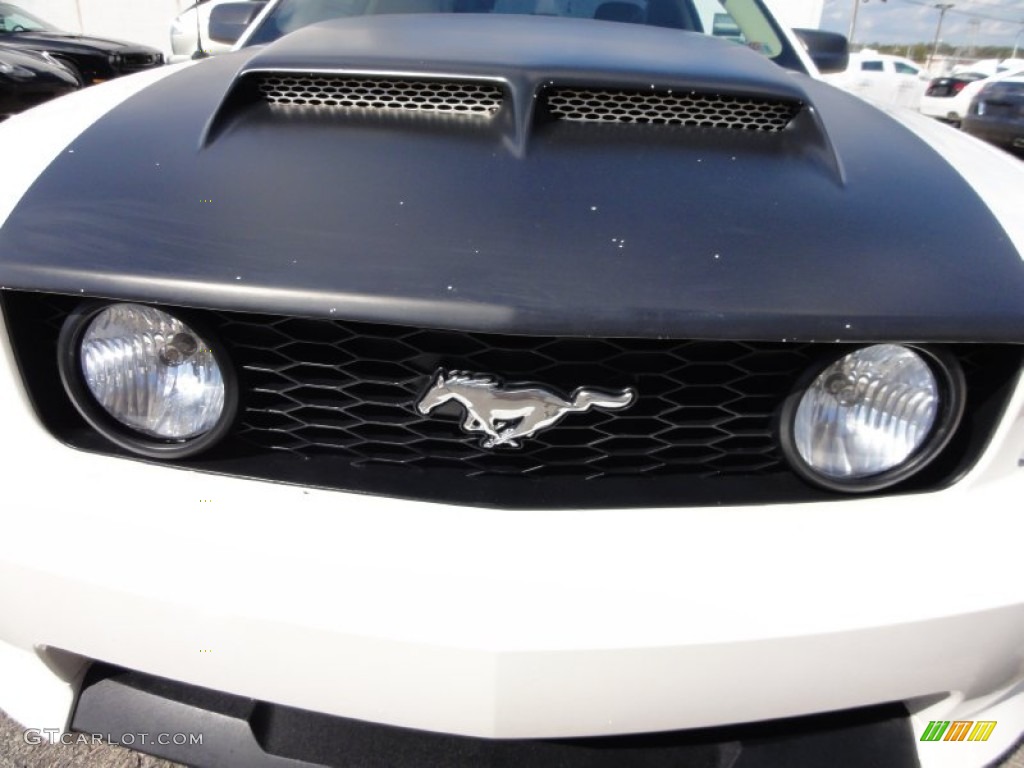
28 78
997 114
92 59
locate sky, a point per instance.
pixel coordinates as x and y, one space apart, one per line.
911 21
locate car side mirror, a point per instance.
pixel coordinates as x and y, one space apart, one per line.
829 51
229 20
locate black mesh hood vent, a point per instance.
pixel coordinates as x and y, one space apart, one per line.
355 92
664 107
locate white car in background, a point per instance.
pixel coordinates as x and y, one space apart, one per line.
989 67
190 32
949 98
882 78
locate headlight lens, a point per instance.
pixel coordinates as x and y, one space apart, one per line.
873 417
146 380
16 71
152 372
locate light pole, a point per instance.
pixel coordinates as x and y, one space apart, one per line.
853 22
943 7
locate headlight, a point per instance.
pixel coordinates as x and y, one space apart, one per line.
55 62
873 417
16 70
146 380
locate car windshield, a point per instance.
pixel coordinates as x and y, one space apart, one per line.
740 21
14 19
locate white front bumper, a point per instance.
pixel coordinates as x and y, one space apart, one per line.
507 623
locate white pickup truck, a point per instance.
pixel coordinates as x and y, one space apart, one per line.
885 79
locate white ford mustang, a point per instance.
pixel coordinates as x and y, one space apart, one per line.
491 382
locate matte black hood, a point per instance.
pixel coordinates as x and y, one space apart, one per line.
843 225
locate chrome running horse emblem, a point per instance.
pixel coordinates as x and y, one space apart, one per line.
507 414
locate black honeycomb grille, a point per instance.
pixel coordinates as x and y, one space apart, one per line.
332 404
131 62
350 390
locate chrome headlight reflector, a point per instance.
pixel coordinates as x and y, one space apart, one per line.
146 380
873 417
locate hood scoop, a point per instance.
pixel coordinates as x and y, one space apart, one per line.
344 92
515 76
528 51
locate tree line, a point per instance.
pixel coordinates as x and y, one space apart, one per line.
921 51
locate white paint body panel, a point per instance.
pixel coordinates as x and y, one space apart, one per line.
995 176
